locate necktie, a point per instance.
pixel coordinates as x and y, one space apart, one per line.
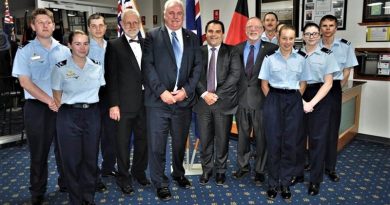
132 40
211 72
250 62
178 55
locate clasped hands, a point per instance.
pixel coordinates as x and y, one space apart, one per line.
173 97
210 98
307 107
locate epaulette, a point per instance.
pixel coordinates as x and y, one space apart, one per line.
95 61
300 52
269 54
23 45
325 50
60 64
345 41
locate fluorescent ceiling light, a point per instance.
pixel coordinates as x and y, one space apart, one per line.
374 4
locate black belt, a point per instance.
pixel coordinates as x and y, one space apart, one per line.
80 105
284 91
314 85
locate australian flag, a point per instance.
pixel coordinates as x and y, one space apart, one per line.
127 4
193 20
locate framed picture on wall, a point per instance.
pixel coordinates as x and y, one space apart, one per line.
314 10
376 11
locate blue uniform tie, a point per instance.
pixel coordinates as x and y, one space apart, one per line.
178 55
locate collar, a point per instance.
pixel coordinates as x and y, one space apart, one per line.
54 43
257 44
217 47
93 42
128 38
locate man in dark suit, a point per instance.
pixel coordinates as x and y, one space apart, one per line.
172 64
249 113
125 92
217 92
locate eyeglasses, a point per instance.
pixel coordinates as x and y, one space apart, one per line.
308 35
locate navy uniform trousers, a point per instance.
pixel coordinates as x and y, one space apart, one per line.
40 125
335 95
317 130
78 138
283 123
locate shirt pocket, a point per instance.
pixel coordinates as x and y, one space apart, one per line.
39 70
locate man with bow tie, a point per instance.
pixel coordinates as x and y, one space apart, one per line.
125 92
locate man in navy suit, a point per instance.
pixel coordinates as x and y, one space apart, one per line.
172 65
125 95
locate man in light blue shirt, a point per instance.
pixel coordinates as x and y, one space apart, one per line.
346 59
33 65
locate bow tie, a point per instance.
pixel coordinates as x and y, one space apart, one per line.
132 40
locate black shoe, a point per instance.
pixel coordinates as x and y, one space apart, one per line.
112 173
182 182
220 179
259 178
332 175
63 189
164 194
142 180
314 189
271 193
100 187
307 167
240 173
37 200
286 193
127 189
296 179
88 203
204 179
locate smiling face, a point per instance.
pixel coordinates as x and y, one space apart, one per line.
253 29
311 36
174 16
286 39
214 35
79 45
131 24
43 26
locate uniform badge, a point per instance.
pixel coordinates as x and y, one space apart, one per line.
71 74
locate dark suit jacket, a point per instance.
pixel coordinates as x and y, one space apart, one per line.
159 64
123 76
228 73
249 93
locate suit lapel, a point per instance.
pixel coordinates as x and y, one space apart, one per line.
259 59
221 57
168 43
130 54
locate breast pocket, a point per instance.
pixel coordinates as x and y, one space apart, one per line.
40 70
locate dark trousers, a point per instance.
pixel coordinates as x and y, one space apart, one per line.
78 137
249 120
317 130
131 123
214 128
107 140
283 123
335 97
40 125
162 121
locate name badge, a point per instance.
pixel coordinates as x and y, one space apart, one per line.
35 58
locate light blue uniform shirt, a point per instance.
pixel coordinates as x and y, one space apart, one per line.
264 37
247 50
78 85
344 54
282 73
96 52
319 64
36 62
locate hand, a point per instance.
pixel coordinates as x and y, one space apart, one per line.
210 98
179 95
115 113
167 97
52 105
307 107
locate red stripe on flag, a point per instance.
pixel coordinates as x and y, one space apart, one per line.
236 33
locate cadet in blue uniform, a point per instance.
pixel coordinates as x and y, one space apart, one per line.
76 82
283 77
321 65
33 65
346 59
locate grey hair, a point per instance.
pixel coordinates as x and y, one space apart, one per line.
130 11
171 3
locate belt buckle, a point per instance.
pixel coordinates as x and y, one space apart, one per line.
85 106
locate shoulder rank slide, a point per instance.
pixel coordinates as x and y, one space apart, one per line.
345 41
300 52
60 64
270 53
325 50
95 61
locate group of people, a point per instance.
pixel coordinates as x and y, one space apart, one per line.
110 94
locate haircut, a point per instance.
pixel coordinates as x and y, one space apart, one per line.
95 16
130 11
271 13
171 3
215 22
76 32
40 11
328 17
286 27
310 24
